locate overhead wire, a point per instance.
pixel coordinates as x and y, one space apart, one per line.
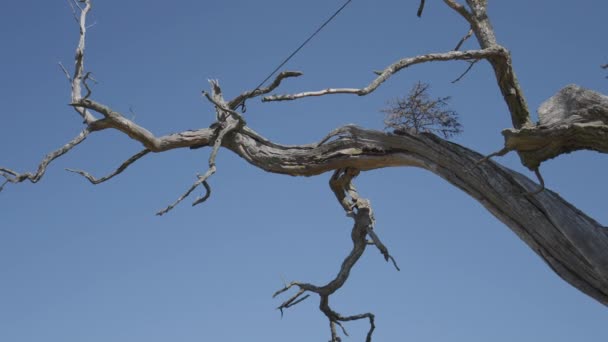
242 103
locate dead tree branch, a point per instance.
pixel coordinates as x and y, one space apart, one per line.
240 100
392 69
79 73
360 210
494 53
118 171
463 39
14 177
574 245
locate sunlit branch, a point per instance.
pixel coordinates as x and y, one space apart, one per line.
391 70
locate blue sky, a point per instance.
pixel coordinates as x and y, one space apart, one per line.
92 263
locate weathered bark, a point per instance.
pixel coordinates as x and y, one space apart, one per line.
574 245
573 119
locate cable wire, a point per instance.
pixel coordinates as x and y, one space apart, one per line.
300 47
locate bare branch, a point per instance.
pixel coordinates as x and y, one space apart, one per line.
120 169
391 70
381 247
463 39
79 73
65 71
227 124
201 180
360 210
14 177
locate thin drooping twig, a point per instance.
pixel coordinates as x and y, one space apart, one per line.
118 171
391 70
463 39
360 210
381 247
14 177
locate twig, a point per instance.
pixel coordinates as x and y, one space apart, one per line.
226 126
463 39
420 9
376 241
120 169
65 71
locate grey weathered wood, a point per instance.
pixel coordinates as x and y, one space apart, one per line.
574 245
574 104
573 119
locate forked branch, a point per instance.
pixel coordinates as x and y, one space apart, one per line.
360 210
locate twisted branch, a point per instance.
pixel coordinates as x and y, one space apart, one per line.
360 210
14 177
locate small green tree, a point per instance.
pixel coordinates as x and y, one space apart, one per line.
418 112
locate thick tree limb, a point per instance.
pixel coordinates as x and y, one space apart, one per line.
573 119
573 244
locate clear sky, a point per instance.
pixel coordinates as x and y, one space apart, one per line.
84 263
